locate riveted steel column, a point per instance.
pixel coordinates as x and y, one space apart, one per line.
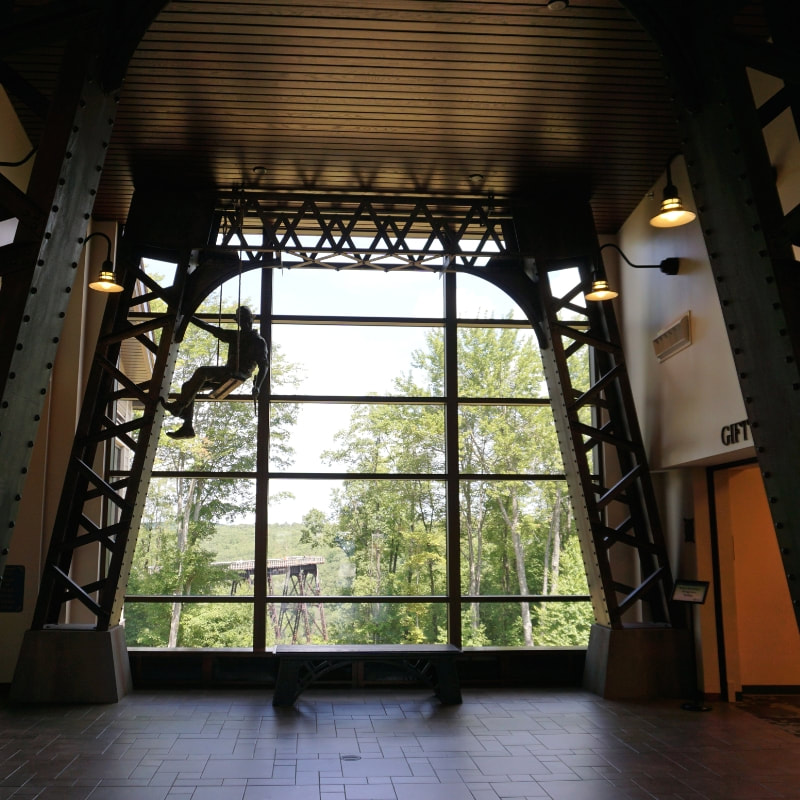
36 287
747 236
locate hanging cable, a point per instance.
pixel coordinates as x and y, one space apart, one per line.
219 319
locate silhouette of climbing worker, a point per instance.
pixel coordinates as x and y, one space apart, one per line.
247 351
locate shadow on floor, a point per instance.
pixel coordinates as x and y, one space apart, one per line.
780 709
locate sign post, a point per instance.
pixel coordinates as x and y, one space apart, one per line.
693 593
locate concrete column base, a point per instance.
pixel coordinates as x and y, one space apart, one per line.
72 664
640 663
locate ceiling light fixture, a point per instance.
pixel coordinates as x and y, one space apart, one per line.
557 5
107 280
601 289
672 213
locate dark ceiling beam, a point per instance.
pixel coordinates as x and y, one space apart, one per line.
793 224
784 21
15 203
125 24
56 21
781 62
16 86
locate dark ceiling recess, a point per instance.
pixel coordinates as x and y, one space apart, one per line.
383 96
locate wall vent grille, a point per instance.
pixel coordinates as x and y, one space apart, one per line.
675 337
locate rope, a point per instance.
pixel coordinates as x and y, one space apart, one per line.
219 319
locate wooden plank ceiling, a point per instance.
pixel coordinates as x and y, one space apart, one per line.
440 97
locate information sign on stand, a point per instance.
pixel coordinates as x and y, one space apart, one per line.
694 593
686 591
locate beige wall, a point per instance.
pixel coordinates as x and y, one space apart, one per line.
683 402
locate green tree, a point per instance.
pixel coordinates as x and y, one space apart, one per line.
514 531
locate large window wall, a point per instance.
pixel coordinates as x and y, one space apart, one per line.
400 481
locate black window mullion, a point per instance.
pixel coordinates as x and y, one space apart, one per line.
453 553
262 479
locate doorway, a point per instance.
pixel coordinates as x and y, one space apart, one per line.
762 641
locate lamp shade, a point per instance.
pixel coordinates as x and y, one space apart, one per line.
601 291
672 213
106 282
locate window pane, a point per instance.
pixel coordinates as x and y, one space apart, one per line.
161 271
499 362
224 441
302 622
191 532
508 439
361 293
333 437
353 360
386 623
200 624
519 537
562 283
476 298
547 624
371 538
290 500
237 291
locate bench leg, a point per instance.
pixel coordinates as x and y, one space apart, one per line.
287 683
448 687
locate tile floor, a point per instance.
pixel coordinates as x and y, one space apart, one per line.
392 745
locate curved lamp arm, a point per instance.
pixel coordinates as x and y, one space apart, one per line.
601 290
669 266
107 280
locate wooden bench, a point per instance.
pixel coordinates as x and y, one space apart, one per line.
431 664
